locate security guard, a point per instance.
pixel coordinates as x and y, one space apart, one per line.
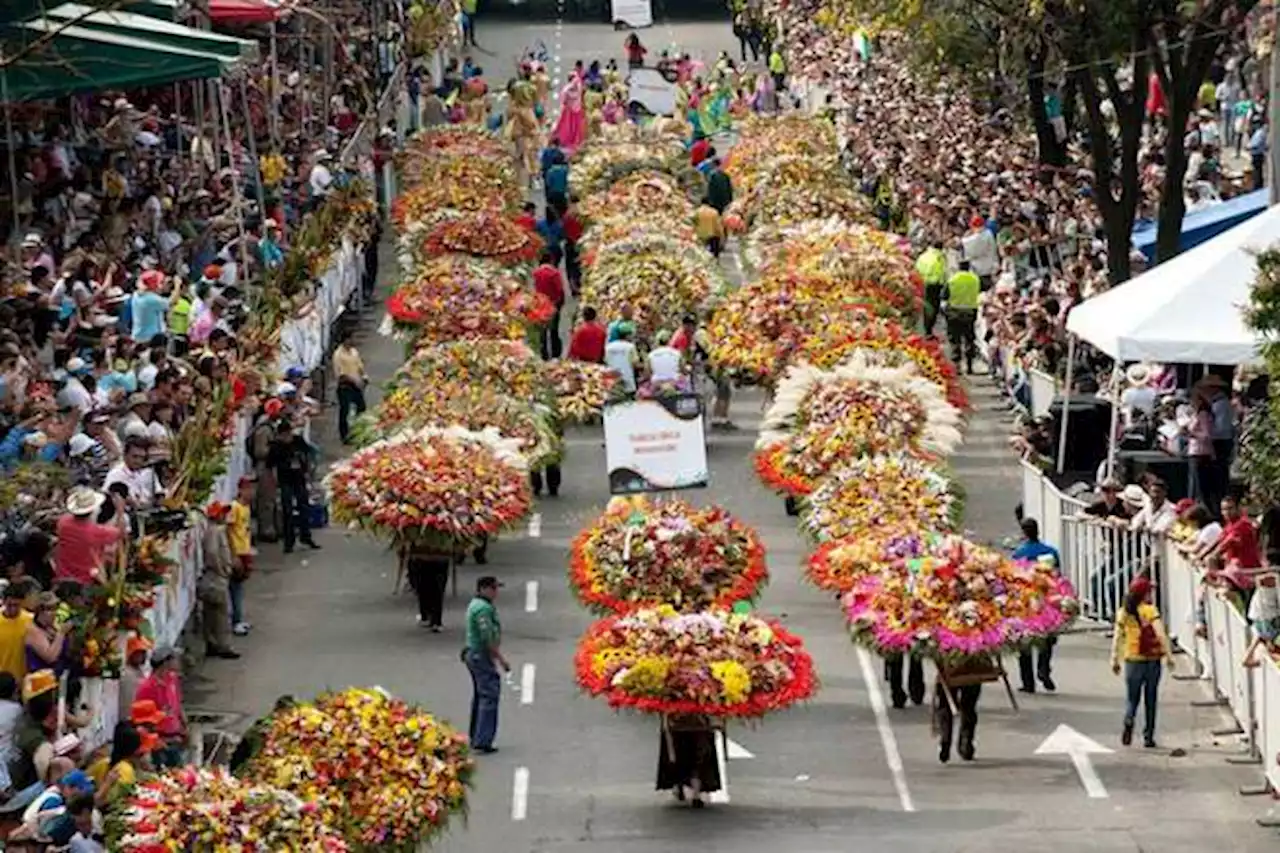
932 266
962 314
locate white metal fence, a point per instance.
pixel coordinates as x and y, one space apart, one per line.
1101 560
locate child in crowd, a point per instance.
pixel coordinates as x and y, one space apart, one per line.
1264 611
239 525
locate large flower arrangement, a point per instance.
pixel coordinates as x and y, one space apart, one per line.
765 137
767 206
455 140
715 662
441 487
891 492
945 597
642 553
617 229
507 365
581 388
598 167
659 283
835 566
476 408
652 194
483 235
836 248
820 419
884 342
209 809
457 183
386 772
454 296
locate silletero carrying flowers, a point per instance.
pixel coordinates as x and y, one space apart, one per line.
442 487
386 773
643 553
715 662
194 808
944 597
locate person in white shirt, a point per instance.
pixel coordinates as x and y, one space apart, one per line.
621 355
73 393
1139 397
144 488
1158 515
981 251
664 360
134 424
321 178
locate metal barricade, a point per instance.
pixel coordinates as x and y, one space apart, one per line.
1033 488
1101 560
1044 389
1268 709
1179 599
1230 634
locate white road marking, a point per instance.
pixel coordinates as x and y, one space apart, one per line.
1067 741
531 597
735 751
535 525
887 738
520 794
721 796
527 673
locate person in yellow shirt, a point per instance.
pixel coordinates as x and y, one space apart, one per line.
273 168
962 299
14 623
710 227
239 524
1141 644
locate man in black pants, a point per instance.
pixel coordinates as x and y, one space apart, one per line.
893 666
428 571
552 477
965 679
290 456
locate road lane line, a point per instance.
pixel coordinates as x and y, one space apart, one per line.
531 597
721 796
520 794
527 673
890 743
535 525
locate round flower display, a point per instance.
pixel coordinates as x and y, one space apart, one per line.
455 296
715 662
508 366
387 773
581 388
643 553
889 492
457 183
659 282
944 597
440 487
483 235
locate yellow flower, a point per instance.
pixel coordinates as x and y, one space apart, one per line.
735 681
647 676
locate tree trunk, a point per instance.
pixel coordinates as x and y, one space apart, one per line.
1052 152
1173 205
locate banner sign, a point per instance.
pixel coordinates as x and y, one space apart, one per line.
655 445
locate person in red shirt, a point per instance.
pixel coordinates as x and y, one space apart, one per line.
1237 546
81 552
528 218
164 688
548 281
701 148
588 339
572 227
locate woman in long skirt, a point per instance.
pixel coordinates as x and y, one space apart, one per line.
687 758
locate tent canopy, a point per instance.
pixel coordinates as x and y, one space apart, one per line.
242 12
1188 309
78 59
153 29
1204 224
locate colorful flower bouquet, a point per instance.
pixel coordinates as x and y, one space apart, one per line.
387 773
767 206
947 598
884 342
457 140
581 388
660 283
643 553
483 235
455 296
837 565
650 193
505 365
443 487
476 408
598 167
716 662
457 183
871 492
195 808
618 229
659 389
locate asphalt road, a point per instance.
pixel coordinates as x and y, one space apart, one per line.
840 773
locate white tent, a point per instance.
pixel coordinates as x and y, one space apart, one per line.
1186 310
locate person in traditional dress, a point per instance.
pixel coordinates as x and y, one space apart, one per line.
687 764
522 124
571 129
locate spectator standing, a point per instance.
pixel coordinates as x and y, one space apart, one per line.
548 281
84 546
483 655
290 458
134 671
164 688
215 583
240 538
1140 645
15 621
1258 147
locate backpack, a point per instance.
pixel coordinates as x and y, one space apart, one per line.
1149 645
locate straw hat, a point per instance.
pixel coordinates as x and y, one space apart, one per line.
1133 495
83 501
1138 375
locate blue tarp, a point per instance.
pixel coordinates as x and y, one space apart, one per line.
1204 224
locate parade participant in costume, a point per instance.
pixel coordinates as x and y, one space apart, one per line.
522 124
615 108
571 129
963 679
542 88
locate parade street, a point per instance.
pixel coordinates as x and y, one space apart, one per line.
843 772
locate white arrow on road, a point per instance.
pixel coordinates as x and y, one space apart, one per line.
1067 741
735 751
726 750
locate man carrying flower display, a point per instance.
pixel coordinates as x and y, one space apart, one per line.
960 683
483 656
1036 662
893 667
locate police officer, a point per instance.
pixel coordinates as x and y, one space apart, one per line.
962 293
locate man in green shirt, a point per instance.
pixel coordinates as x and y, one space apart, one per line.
469 22
962 314
932 266
483 656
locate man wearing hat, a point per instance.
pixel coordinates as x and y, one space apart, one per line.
483 655
134 423
84 545
321 179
